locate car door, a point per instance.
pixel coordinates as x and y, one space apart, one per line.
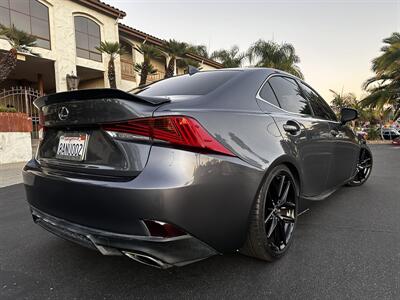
346 151
305 138
344 143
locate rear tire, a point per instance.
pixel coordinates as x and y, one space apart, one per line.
364 168
273 217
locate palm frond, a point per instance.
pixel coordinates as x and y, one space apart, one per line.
151 70
272 55
111 48
149 51
18 39
175 48
384 87
231 58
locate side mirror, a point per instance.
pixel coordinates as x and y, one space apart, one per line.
347 115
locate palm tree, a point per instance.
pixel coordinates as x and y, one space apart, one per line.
19 41
185 63
146 68
113 49
231 58
200 50
341 100
384 87
176 51
272 55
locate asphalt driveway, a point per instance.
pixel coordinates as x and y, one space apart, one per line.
347 246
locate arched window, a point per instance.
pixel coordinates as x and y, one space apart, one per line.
30 16
87 35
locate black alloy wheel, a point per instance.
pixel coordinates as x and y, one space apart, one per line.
274 216
280 211
363 168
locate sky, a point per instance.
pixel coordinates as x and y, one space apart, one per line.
335 40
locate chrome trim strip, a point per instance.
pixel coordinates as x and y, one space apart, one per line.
307 117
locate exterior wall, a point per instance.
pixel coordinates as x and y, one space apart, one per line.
136 57
15 137
206 67
63 49
62 35
15 147
159 65
92 84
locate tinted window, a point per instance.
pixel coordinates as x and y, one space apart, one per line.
267 94
320 108
30 16
87 36
289 95
197 84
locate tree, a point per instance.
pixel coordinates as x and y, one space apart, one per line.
231 58
384 87
200 50
146 68
272 55
20 41
341 100
176 51
113 49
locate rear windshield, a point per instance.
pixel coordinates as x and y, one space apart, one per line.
200 83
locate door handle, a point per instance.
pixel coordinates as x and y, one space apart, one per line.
334 132
292 127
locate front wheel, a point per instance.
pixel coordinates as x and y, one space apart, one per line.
363 168
273 217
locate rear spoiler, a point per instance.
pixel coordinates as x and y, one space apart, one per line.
92 94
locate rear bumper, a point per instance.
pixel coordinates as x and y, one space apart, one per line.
207 196
155 251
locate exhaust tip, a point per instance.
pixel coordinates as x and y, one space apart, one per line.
146 260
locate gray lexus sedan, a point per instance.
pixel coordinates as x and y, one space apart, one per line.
189 167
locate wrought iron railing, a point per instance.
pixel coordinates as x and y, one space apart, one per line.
21 99
158 76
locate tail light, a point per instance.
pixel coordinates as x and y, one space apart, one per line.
177 131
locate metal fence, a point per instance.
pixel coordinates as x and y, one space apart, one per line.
21 99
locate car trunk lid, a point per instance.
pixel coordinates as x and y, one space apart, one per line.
77 116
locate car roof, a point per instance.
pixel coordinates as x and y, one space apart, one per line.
263 70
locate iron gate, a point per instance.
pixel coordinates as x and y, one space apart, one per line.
21 99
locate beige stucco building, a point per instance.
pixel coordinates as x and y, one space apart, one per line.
67 33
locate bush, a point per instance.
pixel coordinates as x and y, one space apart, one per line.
373 134
7 109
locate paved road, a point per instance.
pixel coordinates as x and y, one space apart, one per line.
347 246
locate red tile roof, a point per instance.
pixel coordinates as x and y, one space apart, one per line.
102 7
130 31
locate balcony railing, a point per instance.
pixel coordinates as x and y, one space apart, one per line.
158 76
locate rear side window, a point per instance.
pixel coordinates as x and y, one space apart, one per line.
267 94
200 83
289 95
320 108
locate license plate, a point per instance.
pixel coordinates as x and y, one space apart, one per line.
72 146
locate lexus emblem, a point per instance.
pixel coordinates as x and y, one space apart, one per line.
63 113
